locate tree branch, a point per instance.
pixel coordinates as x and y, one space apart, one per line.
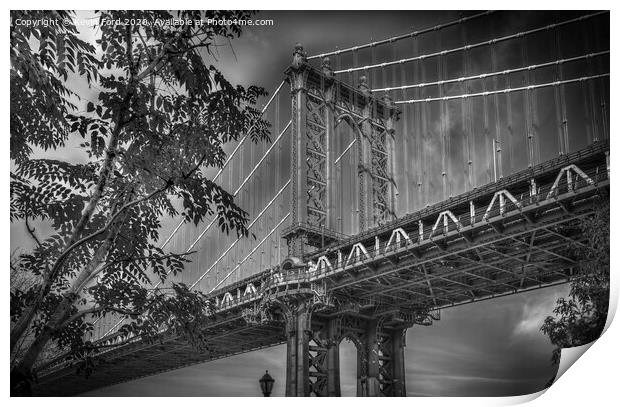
128 260
65 253
31 232
23 323
80 314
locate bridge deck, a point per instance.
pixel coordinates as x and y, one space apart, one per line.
456 256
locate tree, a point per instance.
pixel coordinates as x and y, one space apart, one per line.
580 318
160 119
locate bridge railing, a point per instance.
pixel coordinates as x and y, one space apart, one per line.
462 222
546 192
476 194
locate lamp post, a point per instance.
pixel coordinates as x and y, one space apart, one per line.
266 384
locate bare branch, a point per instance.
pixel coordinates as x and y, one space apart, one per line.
31 232
93 310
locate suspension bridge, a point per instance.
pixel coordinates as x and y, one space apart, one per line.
436 168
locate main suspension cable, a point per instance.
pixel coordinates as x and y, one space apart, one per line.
403 36
234 243
210 224
496 73
228 159
472 46
502 91
248 255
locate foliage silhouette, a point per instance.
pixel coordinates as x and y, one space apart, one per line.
161 117
580 318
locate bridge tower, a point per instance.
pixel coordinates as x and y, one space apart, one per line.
320 104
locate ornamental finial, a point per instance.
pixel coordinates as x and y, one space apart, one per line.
363 86
327 68
299 56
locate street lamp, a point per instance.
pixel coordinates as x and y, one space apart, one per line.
266 384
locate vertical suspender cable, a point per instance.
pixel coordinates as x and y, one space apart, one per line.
417 132
466 115
527 106
603 94
447 132
405 137
584 90
442 121
487 132
472 131
588 91
557 98
535 127
510 138
423 157
562 90
497 138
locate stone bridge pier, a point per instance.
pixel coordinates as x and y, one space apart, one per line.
313 356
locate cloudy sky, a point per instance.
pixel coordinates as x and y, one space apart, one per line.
483 349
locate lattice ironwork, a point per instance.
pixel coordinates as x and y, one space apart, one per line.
317 362
385 348
382 210
316 166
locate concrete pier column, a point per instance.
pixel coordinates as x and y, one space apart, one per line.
368 363
372 349
361 372
297 347
291 359
333 360
381 362
398 362
302 363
